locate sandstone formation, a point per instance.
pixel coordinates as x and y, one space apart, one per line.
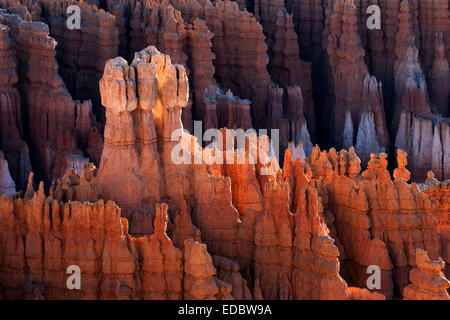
438 193
308 20
228 270
439 76
130 93
428 282
82 53
411 92
405 44
53 236
12 134
201 64
47 103
7 185
312 20
387 230
285 67
224 110
426 140
359 93
152 205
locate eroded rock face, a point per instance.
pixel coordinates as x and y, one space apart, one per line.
143 103
428 282
7 185
12 141
426 140
45 98
367 141
411 93
438 193
359 93
162 262
225 110
439 76
187 223
201 64
403 17
228 270
82 53
48 236
386 93
388 230
285 67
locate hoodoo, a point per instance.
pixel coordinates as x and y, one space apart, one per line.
219 150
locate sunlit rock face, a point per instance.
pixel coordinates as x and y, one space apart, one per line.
225 150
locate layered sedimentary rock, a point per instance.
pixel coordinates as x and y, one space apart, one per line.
433 18
183 34
7 185
12 134
405 45
411 92
244 71
359 93
439 76
53 240
47 236
199 281
308 20
47 103
225 110
224 236
142 105
277 118
298 125
426 140
200 64
285 66
243 229
228 270
160 25
401 172
367 141
427 280
294 252
82 53
387 230
439 195
180 31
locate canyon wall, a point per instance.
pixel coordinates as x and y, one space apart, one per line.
12 133
164 215
48 109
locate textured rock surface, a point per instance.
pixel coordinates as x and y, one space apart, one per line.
7 185
428 282
12 134
387 230
438 193
410 84
169 217
225 110
201 64
82 53
332 46
359 93
143 104
47 103
426 140
439 76
47 236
